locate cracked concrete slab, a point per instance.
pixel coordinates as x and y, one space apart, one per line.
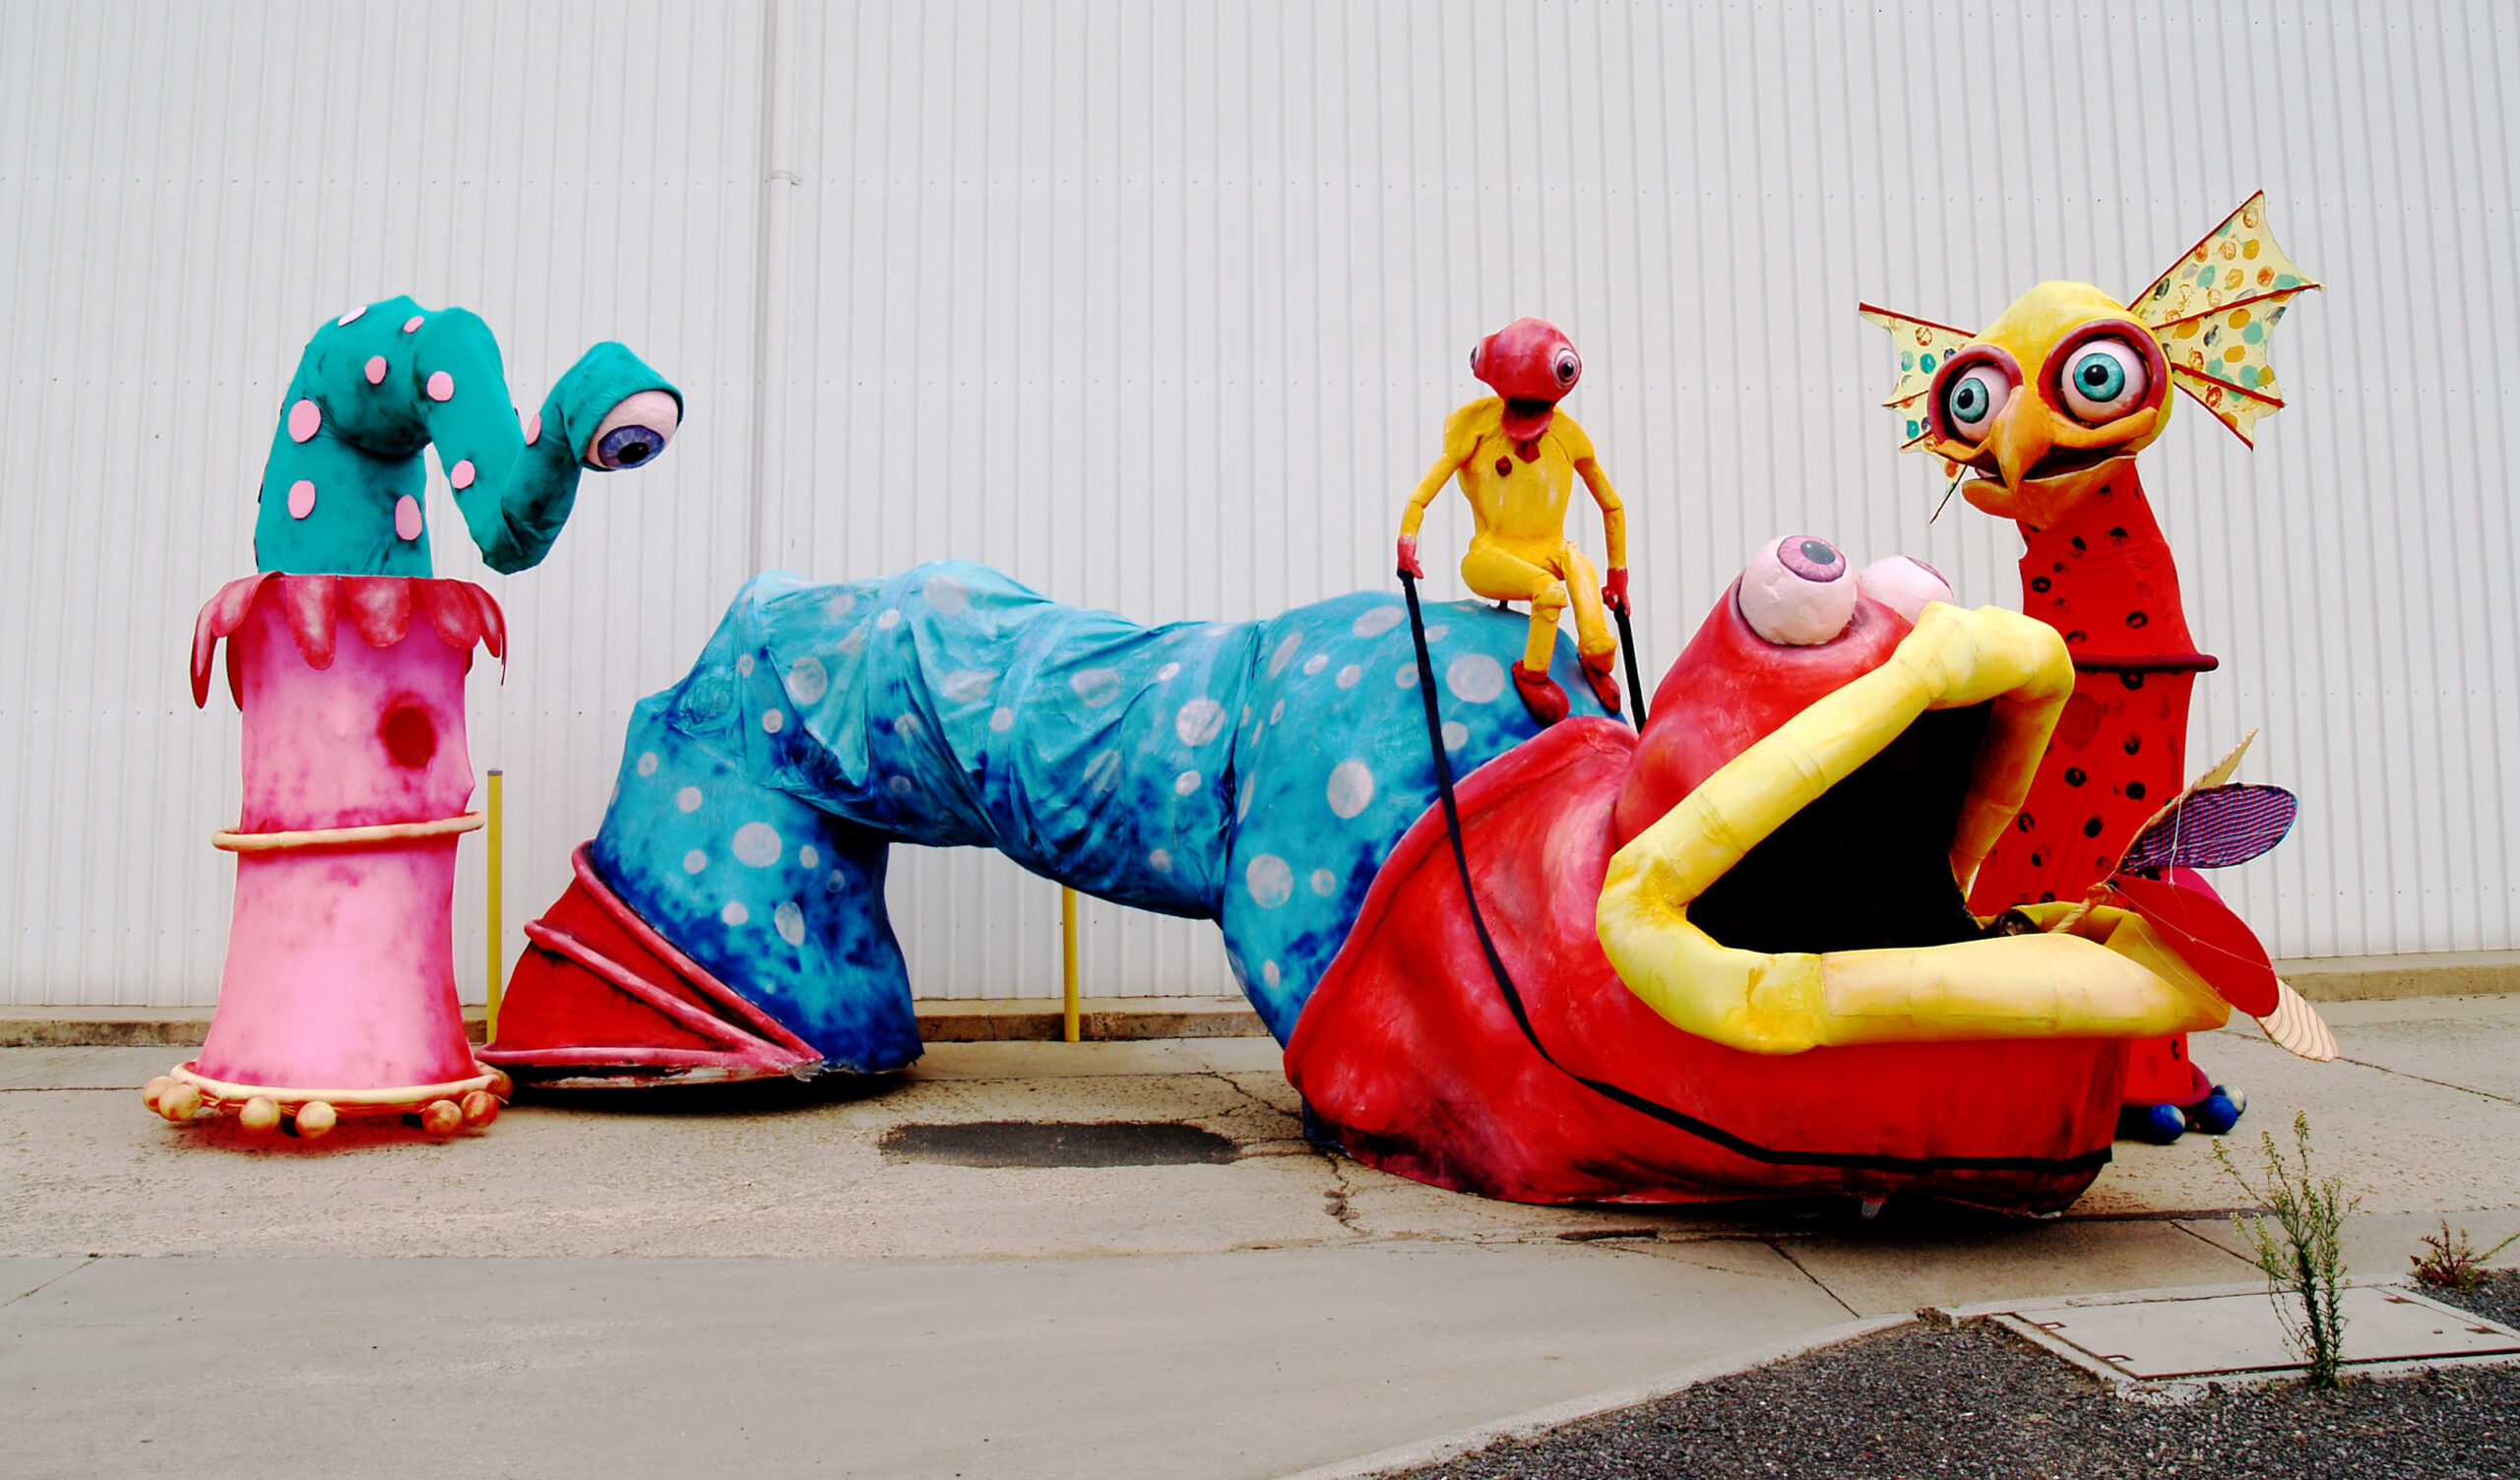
1250 1364
1901 1265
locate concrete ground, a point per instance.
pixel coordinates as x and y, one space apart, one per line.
747 1276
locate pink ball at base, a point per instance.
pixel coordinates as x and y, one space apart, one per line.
260 1115
481 1108
315 1118
154 1090
180 1103
442 1118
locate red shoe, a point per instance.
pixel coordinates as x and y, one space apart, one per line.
1597 668
1540 694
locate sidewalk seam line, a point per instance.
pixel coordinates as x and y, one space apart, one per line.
1814 1278
49 1283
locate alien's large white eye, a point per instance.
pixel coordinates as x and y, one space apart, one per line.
1970 402
2105 379
1797 591
1565 366
1904 584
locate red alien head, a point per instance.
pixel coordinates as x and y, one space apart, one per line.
1533 365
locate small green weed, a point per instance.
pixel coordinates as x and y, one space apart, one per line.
2300 1248
2452 1264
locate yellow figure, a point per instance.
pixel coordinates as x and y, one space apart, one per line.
1517 458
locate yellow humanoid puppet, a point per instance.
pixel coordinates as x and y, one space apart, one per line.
1517 458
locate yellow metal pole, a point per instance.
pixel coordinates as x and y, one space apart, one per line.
1067 959
498 954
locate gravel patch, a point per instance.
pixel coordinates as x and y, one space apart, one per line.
1974 1400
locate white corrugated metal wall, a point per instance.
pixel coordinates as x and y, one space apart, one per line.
1160 307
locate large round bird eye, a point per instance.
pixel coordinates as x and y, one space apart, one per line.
2105 379
1970 402
1565 366
1797 591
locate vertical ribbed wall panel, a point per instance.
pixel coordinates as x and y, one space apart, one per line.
186 192
1160 307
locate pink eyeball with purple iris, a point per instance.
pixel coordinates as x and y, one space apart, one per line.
1797 591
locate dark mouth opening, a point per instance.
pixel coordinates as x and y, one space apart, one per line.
1869 865
2061 460
1524 408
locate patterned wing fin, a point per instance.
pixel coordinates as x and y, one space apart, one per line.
2215 312
2214 827
2297 1025
1922 345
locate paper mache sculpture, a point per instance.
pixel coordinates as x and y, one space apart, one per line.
347 661
2048 407
1517 456
1728 957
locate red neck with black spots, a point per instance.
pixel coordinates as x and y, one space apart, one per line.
2104 577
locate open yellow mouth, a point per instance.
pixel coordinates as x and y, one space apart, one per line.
2108 977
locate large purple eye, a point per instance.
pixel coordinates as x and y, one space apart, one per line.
1565 366
628 447
634 431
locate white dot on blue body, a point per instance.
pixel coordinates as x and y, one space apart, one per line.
694 861
1474 678
1199 722
687 799
1375 621
757 844
1351 787
1284 653
1269 880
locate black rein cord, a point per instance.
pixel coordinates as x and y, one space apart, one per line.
1704 1129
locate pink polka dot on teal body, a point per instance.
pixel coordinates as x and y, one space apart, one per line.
460 475
441 387
532 428
413 322
301 499
351 317
376 369
303 419
407 517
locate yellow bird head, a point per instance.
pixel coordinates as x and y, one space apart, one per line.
2055 396
2050 401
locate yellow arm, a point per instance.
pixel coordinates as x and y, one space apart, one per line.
1579 446
1461 439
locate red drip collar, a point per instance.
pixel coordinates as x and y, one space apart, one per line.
380 609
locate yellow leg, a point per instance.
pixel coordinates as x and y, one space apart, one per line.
1502 577
1591 629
